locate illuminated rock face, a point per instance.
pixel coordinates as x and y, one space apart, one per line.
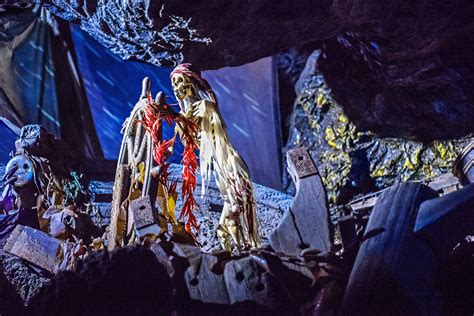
352 161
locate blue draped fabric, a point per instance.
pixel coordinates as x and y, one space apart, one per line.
28 89
7 144
113 87
39 83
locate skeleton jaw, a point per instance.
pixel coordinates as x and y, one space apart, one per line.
182 87
181 92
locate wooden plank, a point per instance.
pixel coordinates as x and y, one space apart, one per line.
246 281
444 183
15 234
34 246
143 217
162 257
364 204
118 216
306 225
202 283
206 286
394 270
191 253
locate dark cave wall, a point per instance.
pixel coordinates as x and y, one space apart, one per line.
423 97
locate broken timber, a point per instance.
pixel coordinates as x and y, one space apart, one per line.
204 284
218 279
247 281
443 184
464 165
35 247
306 225
118 216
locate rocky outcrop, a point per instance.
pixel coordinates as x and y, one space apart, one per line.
352 161
420 90
211 34
22 279
10 301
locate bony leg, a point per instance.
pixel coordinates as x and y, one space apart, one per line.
255 237
249 231
255 242
224 237
235 230
222 230
230 226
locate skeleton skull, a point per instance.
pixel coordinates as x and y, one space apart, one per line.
182 86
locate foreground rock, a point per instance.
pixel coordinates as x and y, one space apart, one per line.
23 279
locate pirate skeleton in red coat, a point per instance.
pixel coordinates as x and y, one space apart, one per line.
218 157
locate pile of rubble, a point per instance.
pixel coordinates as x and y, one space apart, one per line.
52 216
406 249
47 214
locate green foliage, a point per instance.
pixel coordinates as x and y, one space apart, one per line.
76 191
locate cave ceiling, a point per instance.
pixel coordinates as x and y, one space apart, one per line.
398 68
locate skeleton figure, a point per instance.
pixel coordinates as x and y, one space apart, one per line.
217 156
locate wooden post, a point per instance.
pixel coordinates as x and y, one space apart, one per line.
394 270
306 225
118 216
